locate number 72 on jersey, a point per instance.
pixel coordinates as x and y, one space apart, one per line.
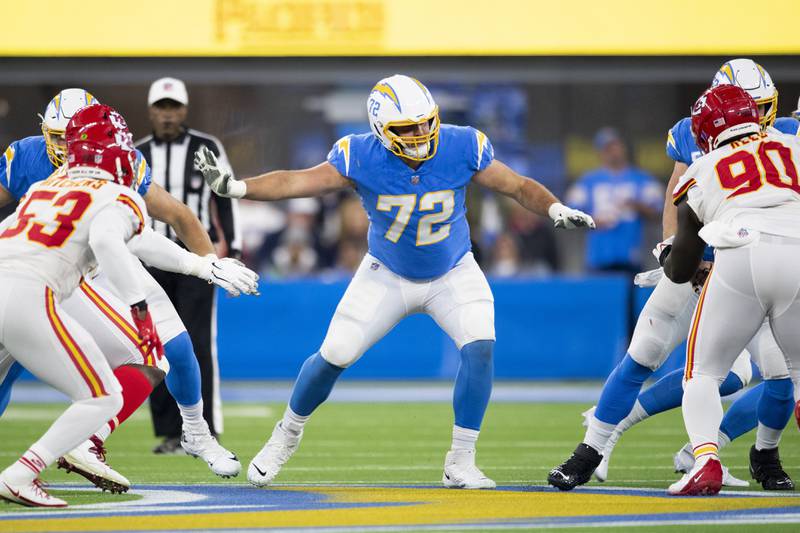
405 205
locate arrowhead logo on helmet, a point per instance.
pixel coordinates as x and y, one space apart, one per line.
98 147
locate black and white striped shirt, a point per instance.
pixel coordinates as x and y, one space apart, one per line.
172 167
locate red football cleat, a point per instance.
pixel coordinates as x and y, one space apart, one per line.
705 479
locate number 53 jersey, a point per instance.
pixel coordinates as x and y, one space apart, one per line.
48 235
748 186
418 225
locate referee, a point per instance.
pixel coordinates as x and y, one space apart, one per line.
170 150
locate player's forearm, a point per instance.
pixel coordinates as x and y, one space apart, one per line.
535 197
192 233
277 185
669 217
162 253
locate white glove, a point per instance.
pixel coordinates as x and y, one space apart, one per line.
662 247
229 274
568 218
220 181
649 278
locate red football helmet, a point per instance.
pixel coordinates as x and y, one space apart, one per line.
100 151
95 114
721 113
100 146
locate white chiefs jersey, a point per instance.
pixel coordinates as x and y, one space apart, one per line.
48 235
745 187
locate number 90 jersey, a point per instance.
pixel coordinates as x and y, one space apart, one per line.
750 185
418 226
48 235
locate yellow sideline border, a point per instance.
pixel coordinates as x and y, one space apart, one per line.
384 27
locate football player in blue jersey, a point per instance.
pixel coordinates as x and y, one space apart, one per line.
664 323
36 158
411 173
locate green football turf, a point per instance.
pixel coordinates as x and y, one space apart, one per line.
362 443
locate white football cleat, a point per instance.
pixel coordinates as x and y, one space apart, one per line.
268 462
89 461
460 472
684 459
30 495
728 480
705 479
205 446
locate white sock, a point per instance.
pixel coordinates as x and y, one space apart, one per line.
597 434
192 415
293 423
464 439
104 432
702 414
29 466
723 440
636 415
767 438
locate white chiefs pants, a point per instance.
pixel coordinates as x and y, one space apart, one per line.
39 333
96 306
664 323
460 302
746 286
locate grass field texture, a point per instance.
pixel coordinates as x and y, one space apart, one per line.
356 444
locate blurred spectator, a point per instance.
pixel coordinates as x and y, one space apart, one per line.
536 239
295 256
620 197
292 250
505 257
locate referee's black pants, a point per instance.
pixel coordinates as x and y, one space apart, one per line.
194 300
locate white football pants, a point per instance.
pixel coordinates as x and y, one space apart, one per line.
460 302
746 286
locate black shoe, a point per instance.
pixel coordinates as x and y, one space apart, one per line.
576 470
169 446
765 467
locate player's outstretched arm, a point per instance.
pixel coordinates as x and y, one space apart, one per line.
110 231
532 195
276 185
162 206
669 217
681 264
162 253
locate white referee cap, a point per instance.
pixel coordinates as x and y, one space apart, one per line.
168 88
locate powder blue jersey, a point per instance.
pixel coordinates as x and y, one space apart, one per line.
682 148
418 225
25 162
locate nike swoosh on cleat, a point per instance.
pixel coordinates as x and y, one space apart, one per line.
12 491
445 475
259 470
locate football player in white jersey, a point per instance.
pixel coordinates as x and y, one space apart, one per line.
57 235
743 198
664 323
98 309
